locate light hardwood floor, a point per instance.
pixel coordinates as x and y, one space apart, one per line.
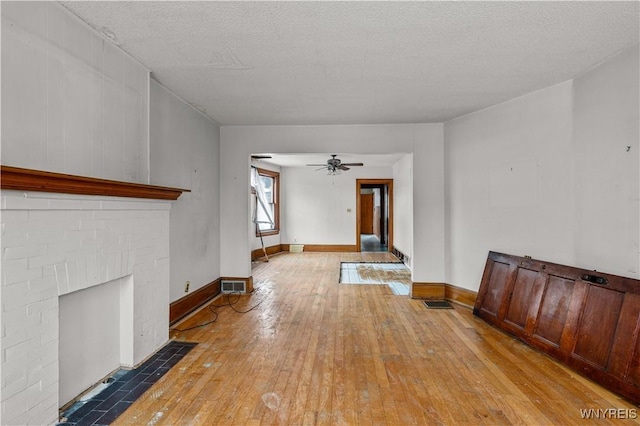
317 352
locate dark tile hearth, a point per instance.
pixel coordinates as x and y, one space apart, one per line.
128 386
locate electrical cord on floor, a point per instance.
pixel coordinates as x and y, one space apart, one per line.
199 325
229 303
211 306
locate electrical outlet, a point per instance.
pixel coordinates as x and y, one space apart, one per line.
186 286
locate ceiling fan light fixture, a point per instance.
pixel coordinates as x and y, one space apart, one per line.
334 165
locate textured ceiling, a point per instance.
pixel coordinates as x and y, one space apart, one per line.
288 63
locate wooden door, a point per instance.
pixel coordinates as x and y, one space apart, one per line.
588 320
366 213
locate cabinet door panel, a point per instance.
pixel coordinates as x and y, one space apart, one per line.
496 288
623 351
598 325
525 297
634 368
554 308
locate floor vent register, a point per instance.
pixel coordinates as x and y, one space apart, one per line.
437 304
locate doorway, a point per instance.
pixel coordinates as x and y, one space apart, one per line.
374 214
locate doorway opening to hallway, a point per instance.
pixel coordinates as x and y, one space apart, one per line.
374 210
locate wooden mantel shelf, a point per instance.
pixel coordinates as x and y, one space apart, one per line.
20 179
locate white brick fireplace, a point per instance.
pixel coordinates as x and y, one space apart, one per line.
57 244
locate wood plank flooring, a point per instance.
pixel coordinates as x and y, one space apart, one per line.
315 352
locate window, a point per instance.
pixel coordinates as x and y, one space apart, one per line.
266 185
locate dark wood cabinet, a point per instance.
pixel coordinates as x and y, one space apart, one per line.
586 319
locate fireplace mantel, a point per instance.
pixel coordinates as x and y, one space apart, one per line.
20 179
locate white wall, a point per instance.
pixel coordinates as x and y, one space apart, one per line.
403 205
607 183
549 175
71 101
185 153
321 209
509 181
428 251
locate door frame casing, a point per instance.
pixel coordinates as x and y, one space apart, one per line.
389 185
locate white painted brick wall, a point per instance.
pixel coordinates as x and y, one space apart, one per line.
54 244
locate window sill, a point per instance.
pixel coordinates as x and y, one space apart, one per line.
268 233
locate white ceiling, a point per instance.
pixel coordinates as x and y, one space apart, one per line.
299 160
296 63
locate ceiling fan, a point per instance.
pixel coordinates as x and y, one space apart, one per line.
335 165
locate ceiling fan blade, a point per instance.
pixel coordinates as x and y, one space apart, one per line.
317 165
353 164
343 167
321 168
260 157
